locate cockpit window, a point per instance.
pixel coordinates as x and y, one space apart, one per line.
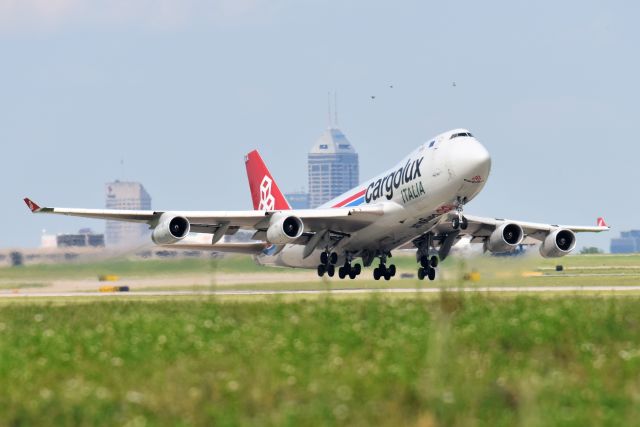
456 135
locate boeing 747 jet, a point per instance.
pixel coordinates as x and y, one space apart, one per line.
420 200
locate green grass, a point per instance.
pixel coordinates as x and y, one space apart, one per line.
449 360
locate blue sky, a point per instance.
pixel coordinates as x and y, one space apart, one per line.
182 89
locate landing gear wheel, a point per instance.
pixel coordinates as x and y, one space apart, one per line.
387 276
376 273
392 270
333 258
321 270
464 223
421 273
455 223
358 269
324 258
424 261
342 273
434 262
431 273
331 270
352 274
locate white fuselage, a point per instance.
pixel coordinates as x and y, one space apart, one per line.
415 195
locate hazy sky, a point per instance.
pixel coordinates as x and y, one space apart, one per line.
182 89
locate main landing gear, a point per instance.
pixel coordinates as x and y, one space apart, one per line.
428 262
383 271
328 265
348 270
427 267
460 222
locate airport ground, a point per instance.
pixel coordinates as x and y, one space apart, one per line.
410 358
240 273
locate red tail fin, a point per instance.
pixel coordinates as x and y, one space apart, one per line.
264 191
601 222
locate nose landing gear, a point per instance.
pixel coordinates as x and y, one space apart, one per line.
460 222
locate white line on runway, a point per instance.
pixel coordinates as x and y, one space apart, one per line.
494 289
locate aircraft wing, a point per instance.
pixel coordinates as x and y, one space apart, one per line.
480 228
340 220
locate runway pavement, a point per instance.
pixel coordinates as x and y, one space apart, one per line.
622 290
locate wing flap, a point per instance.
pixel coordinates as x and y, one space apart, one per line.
253 248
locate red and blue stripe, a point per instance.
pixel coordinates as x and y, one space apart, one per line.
353 200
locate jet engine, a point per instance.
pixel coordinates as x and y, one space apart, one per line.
505 238
284 229
170 229
558 243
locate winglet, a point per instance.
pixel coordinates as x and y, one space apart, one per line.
33 206
602 223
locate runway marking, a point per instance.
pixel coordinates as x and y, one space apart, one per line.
595 267
590 275
355 291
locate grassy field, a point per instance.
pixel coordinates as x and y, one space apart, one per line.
449 360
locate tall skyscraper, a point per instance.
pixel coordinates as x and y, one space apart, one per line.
131 196
333 167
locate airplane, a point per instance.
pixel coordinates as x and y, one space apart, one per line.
420 201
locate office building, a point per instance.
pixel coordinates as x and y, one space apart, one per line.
85 238
628 242
130 196
332 166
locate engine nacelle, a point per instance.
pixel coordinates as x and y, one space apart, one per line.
284 229
505 238
558 243
170 229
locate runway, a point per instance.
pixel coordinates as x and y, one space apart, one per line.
355 291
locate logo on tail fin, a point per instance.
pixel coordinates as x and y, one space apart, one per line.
601 222
267 201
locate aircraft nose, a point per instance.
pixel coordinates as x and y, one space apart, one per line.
473 161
